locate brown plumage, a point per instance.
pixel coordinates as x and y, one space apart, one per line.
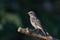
35 21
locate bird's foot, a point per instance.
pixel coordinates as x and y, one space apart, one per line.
32 30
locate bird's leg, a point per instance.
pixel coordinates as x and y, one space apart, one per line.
37 31
32 30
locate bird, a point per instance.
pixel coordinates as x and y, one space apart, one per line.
35 22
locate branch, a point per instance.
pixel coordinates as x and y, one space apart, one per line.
30 33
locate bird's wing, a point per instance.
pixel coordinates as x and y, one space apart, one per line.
38 22
33 19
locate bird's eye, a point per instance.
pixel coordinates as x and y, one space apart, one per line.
30 13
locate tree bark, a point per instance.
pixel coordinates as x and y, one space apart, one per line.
33 34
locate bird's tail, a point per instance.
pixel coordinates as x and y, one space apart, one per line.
42 31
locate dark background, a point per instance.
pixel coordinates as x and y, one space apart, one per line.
13 14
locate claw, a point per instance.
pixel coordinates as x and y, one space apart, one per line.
30 29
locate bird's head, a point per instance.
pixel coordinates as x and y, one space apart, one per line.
31 13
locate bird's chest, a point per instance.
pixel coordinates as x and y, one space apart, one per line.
33 21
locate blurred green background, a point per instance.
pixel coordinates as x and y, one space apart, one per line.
13 14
